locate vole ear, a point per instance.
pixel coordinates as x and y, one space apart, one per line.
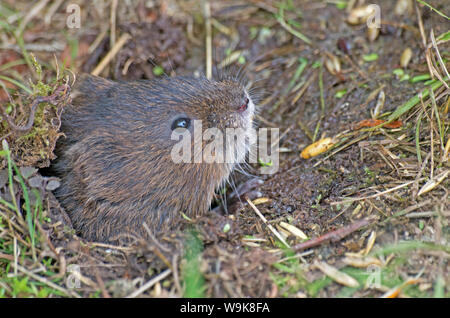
90 85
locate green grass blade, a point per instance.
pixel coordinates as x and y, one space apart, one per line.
282 22
413 102
192 276
434 9
419 155
322 102
12 64
29 215
17 83
10 176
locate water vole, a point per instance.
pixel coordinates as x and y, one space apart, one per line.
115 162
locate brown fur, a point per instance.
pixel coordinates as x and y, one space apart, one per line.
115 162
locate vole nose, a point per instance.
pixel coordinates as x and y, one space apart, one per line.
243 107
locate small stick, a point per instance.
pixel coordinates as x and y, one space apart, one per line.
208 44
45 281
30 15
150 283
271 228
113 16
176 280
305 129
304 88
114 50
51 11
356 66
98 40
101 283
441 62
424 39
349 200
333 236
421 28
424 214
150 234
276 142
406 211
7 257
62 260
119 248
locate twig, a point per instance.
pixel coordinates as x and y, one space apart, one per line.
277 141
305 129
59 256
112 40
356 66
101 284
333 236
431 140
46 281
153 238
116 247
374 195
114 50
7 257
85 280
150 283
442 64
37 46
208 43
406 211
51 11
176 280
304 88
419 175
98 40
30 15
421 28
425 214
271 228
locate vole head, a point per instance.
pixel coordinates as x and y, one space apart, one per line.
150 111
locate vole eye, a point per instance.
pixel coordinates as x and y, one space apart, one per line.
181 123
244 106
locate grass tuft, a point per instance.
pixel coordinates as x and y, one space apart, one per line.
194 282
